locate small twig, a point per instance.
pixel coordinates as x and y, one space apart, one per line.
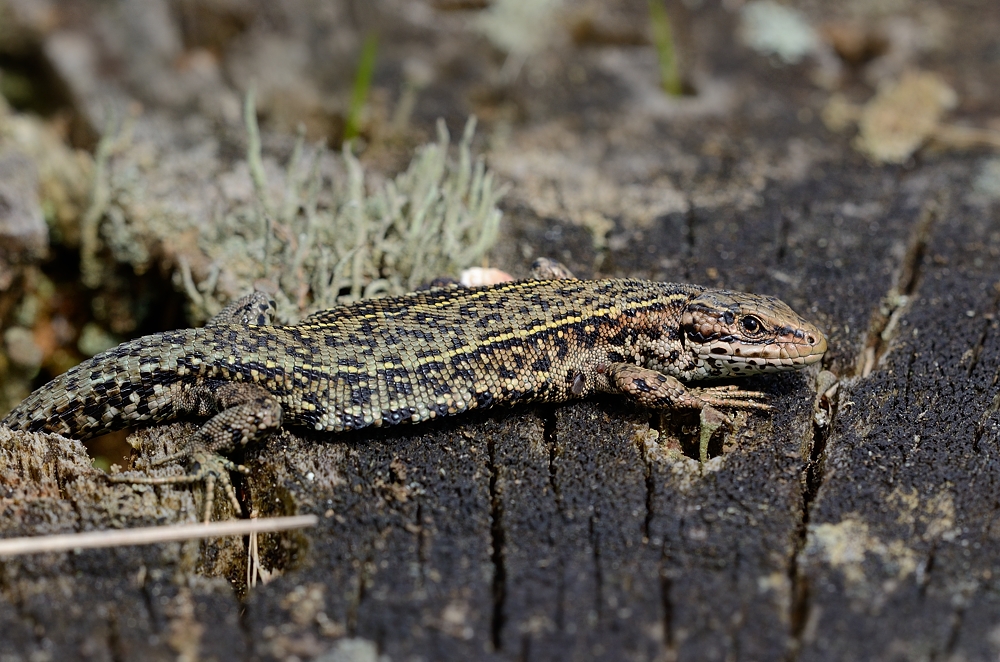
151 534
254 568
966 137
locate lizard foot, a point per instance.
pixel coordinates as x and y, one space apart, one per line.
655 389
240 414
206 467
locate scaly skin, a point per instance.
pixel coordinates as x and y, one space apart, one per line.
422 356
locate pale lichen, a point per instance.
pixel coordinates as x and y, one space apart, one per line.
904 116
521 28
773 29
987 181
315 233
329 241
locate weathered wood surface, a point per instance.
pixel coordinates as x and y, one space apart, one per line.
569 532
585 531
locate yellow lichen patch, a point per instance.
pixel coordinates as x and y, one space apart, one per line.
903 117
847 544
931 518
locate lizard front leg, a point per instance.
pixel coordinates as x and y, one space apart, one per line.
659 391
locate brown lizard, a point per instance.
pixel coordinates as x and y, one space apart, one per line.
421 356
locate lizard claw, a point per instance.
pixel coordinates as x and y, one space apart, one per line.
206 467
732 397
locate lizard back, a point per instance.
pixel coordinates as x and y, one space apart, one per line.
377 362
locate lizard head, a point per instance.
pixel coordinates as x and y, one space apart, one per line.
730 334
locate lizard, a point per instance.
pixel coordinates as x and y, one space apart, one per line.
422 356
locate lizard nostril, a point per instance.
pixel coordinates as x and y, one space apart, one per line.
811 340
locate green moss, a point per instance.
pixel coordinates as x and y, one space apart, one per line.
17 89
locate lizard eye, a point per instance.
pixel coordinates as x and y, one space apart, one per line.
750 324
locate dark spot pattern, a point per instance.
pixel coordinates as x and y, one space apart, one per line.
396 360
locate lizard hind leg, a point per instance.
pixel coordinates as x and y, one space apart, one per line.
246 413
243 413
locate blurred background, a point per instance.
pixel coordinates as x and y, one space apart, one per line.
159 158
596 119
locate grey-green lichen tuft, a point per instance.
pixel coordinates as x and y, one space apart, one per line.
316 232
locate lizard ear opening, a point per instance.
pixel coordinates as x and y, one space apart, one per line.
687 324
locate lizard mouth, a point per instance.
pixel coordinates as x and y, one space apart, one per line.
770 356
